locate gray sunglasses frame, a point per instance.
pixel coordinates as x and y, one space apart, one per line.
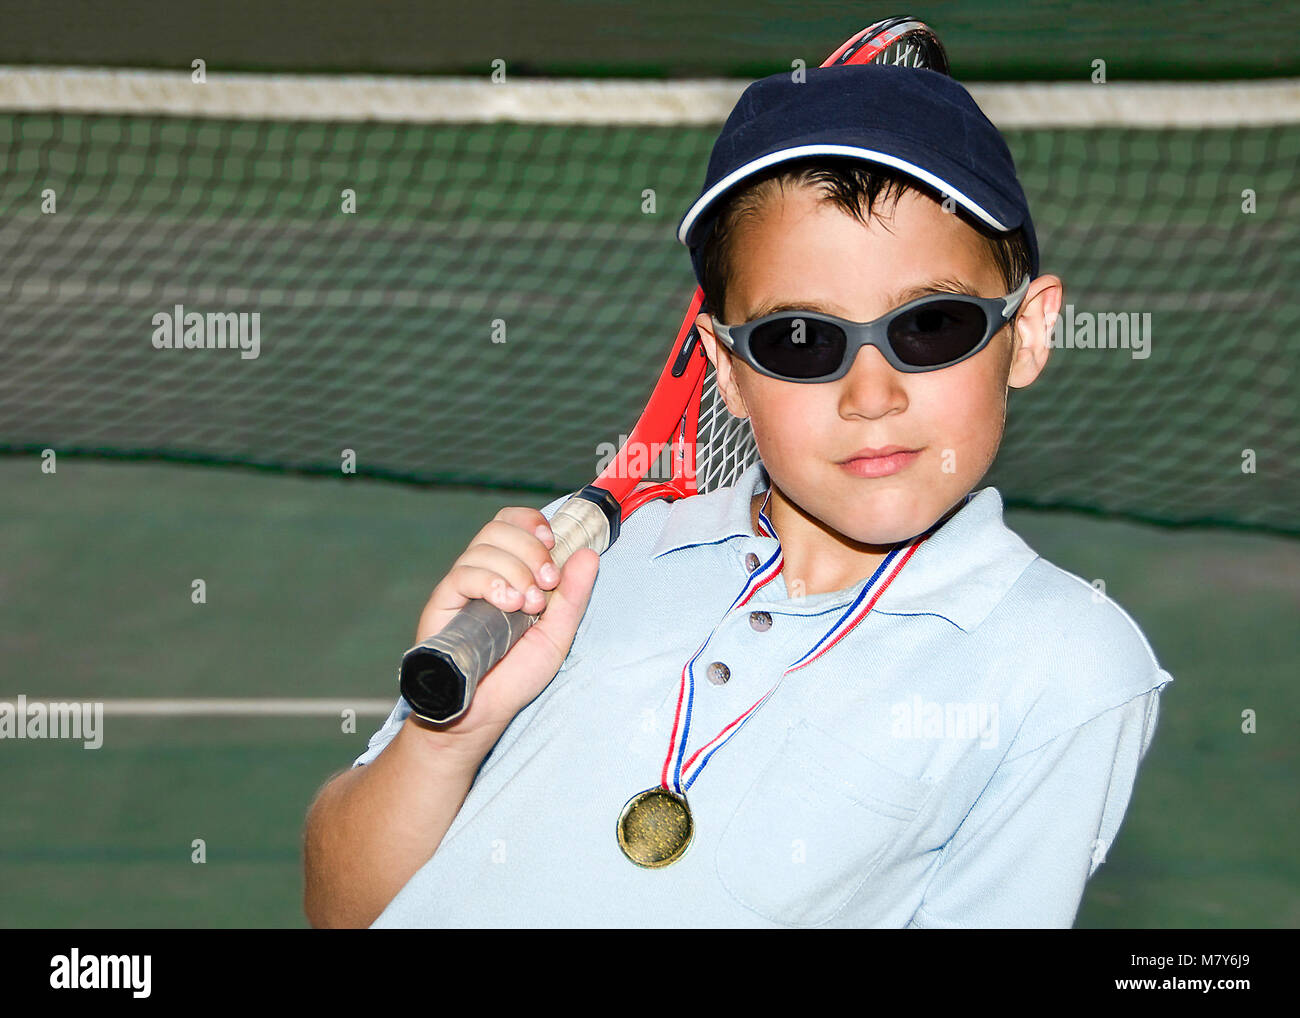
997 312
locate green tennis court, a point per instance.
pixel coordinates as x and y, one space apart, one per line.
313 588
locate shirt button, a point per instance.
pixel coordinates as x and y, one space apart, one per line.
718 673
751 561
760 621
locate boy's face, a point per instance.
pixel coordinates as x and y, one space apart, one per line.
804 252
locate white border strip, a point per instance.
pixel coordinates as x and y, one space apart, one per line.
224 708
686 102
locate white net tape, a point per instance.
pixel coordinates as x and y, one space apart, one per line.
570 101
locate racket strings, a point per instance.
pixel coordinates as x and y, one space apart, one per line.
725 446
910 51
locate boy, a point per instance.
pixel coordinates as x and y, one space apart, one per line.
838 693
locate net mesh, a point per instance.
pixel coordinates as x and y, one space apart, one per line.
498 306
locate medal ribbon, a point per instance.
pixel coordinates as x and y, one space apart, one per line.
682 773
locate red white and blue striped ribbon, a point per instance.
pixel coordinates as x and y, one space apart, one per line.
680 773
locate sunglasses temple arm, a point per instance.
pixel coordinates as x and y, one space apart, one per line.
1014 299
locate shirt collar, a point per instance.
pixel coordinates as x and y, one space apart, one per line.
714 515
960 573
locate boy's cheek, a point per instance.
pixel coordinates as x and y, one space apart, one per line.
966 428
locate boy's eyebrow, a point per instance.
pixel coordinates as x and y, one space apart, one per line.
895 300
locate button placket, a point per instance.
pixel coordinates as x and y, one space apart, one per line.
685 771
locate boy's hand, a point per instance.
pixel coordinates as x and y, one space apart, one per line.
508 564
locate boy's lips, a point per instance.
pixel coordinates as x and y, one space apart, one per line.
882 462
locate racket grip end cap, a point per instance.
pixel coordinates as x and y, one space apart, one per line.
433 685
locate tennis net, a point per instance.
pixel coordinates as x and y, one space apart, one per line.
446 281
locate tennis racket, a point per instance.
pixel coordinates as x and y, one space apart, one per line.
685 420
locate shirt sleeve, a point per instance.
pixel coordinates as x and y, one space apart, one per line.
388 731
1042 826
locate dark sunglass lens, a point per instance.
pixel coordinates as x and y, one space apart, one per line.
798 347
937 333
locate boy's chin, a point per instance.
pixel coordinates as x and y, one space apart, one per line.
895 519
885 539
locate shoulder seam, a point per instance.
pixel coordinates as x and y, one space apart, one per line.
1146 644
1154 689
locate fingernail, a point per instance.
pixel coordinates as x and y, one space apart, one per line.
534 592
543 532
549 573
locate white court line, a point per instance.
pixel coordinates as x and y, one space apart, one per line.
224 708
680 102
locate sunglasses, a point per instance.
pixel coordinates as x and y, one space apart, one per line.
929 333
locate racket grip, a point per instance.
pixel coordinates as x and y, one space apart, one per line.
438 677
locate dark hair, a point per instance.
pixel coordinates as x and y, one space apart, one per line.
851 185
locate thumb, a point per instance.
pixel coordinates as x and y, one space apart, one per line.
568 602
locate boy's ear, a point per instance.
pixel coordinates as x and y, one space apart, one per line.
723 364
1033 336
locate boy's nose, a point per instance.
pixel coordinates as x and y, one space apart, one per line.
872 388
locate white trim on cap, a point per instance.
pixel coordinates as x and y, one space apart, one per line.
871 155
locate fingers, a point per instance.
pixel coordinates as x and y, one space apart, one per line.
490 582
508 564
530 520
524 545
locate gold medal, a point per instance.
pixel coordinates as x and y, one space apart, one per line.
655 827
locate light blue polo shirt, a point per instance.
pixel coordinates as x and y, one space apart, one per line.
962 758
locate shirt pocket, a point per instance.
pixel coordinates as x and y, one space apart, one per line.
813 828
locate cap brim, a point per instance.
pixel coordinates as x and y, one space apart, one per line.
984 207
